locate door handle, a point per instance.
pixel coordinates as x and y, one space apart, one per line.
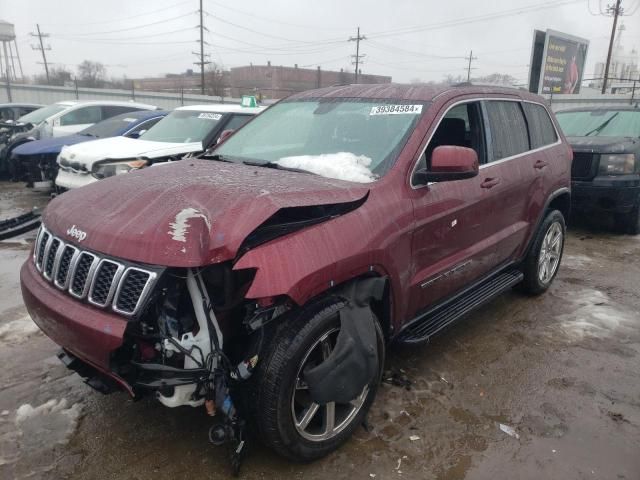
540 164
490 182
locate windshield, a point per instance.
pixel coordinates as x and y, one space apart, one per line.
183 126
111 127
348 139
601 123
42 114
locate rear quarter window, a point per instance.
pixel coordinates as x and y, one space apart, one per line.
541 129
508 129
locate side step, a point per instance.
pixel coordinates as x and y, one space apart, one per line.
432 321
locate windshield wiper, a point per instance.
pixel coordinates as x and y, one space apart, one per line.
275 166
216 156
602 126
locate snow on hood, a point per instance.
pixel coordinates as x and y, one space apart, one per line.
88 153
341 166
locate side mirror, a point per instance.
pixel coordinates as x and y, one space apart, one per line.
449 163
136 134
224 135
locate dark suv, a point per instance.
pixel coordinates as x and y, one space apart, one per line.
606 162
264 280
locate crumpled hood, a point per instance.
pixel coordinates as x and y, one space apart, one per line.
49 145
87 153
189 213
604 144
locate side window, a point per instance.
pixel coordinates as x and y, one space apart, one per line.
81 116
237 121
461 126
144 126
6 114
540 125
508 129
113 110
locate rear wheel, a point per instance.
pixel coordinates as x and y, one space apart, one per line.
287 419
541 264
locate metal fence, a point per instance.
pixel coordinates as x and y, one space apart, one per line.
45 94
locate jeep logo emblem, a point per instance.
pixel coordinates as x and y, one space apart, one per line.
77 234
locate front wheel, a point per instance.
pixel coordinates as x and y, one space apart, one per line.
287 419
541 263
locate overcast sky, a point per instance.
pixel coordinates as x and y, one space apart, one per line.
407 39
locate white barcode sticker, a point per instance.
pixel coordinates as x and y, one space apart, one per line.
210 116
396 109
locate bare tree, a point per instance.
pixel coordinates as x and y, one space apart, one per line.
91 74
57 76
215 81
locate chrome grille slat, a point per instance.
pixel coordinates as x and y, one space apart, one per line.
102 282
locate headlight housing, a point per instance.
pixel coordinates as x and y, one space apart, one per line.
109 169
617 164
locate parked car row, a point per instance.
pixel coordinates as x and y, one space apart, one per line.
263 278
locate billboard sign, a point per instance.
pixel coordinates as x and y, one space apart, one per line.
557 62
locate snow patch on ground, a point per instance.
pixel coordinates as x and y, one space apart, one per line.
341 166
180 225
18 330
49 424
595 316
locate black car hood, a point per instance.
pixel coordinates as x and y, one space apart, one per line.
604 144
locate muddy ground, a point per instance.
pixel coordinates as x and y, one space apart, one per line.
560 373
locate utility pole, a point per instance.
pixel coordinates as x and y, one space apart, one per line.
615 10
470 58
357 56
201 55
40 47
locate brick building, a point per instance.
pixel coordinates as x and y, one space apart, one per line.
277 81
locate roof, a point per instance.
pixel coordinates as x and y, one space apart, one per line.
223 108
18 104
122 103
142 114
397 91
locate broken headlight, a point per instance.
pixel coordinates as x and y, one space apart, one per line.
618 164
109 169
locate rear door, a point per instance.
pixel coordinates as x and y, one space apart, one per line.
450 249
510 167
76 120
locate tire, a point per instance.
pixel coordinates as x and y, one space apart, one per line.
630 222
535 280
272 387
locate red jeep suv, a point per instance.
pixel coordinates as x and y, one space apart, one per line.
264 279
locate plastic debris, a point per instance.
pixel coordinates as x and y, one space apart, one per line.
509 430
413 438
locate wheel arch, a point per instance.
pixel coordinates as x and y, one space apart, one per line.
559 200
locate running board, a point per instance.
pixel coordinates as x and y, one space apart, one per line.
432 321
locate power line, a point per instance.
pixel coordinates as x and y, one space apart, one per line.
137 27
41 47
358 58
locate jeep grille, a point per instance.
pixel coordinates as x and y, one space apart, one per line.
102 282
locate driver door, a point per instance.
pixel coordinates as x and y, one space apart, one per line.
450 247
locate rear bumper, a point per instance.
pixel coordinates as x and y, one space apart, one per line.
605 195
88 333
